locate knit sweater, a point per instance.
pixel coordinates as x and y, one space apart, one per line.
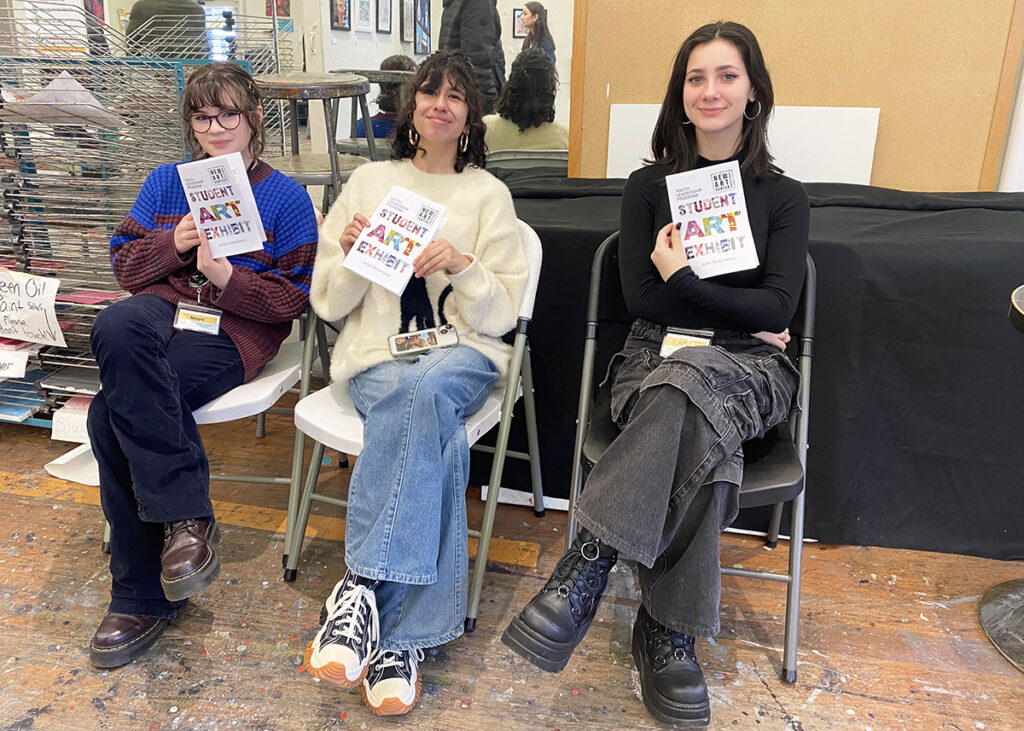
482 301
267 289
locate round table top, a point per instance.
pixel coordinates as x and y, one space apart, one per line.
378 76
311 86
1017 308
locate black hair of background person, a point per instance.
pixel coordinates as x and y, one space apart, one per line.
474 27
457 68
528 98
157 25
389 99
674 142
539 32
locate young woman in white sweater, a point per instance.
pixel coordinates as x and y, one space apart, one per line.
405 535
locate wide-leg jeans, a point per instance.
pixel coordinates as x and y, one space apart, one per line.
406 520
669 483
152 464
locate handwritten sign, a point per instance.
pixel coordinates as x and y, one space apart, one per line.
26 308
12 363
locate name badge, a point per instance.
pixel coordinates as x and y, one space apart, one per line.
677 338
200 319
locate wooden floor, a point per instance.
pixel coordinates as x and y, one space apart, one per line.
888 639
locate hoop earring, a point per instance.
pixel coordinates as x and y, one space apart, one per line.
414 137
756 114
463 142
687 121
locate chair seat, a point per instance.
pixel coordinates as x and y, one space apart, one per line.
314 168
775 476
330 417
260 393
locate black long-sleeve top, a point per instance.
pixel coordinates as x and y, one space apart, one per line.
764 298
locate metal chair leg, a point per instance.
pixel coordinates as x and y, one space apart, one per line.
772 539
261 425
105 546
302 514
532 442
796 546
500 446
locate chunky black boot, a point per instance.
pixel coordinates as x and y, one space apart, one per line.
671 681
553 623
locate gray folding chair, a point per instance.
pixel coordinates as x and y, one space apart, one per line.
774 477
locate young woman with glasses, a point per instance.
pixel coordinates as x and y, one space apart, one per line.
154 475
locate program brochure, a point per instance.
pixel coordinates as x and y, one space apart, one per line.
403 224
710 205
222 204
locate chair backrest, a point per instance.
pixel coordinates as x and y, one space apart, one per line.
524 159
534 259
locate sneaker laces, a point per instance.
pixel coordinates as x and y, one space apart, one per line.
355 612
381 660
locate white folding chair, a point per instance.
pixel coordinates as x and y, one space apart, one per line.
330 418
257 398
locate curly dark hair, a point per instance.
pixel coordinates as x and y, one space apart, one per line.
390 94
674 142
206 87
528 97
458 70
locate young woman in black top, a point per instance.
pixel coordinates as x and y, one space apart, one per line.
668 485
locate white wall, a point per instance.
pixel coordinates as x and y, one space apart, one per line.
1011 173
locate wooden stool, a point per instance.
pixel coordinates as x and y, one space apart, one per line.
323 168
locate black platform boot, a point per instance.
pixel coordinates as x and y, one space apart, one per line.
671 681
553 623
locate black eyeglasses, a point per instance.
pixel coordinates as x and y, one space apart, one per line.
228 119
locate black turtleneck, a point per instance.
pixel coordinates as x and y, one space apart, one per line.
758 299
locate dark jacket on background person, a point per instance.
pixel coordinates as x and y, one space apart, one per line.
169 29
473 27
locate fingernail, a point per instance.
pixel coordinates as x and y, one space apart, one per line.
679 226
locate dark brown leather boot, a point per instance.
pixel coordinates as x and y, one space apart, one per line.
121 638
188 563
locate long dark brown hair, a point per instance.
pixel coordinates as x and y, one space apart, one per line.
674 143
539 30
207 85
458 69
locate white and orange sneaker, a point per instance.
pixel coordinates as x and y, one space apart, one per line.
392 685
342 649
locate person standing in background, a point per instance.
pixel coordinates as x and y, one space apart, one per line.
169 28
473 27
538 35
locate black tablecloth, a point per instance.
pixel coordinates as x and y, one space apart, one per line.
918 378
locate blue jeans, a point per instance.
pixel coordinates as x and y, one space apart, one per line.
406 521
152 464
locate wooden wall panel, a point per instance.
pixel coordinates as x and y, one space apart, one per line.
933 67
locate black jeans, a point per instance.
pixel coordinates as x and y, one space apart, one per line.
152 464
668 484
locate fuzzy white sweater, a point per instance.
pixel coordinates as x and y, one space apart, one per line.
484 297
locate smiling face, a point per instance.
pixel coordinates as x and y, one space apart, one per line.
715 93
440 116
220 139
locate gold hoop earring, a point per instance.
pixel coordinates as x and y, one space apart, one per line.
463 142
414 137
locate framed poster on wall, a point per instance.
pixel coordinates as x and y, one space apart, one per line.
364 15
517 24
407 21
383 16
340 15
422 42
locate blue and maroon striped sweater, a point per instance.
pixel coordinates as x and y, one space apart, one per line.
267 290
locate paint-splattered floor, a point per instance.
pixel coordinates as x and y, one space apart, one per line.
889 639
